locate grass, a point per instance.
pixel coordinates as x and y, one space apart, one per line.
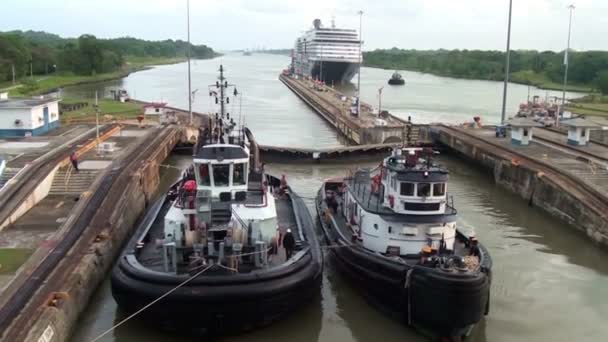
591 105
47 83
12 258
542 81
107 107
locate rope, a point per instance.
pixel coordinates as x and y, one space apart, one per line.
150 304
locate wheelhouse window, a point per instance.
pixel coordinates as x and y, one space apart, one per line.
407 189
438 189
203 170
424 189
221 174
239 174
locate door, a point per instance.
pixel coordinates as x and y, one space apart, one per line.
45 113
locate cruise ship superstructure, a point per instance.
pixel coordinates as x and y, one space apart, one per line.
328 54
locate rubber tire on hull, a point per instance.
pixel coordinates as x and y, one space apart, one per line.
224 309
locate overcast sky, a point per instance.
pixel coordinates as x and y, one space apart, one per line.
236 24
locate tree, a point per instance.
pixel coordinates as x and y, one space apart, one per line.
602 81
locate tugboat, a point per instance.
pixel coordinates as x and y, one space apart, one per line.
396 79
392 231
228 248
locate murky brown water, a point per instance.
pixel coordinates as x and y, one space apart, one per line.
550 283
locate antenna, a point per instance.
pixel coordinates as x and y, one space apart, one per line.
333 21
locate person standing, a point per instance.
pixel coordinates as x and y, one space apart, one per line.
289 244
74 161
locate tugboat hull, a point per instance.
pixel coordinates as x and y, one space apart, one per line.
211 309
435 302
221 303
396 82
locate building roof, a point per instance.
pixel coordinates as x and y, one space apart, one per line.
26 102
523 122
221 152
581 123
155 104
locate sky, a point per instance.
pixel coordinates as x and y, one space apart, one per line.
238 24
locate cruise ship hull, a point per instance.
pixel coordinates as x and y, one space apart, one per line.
333 72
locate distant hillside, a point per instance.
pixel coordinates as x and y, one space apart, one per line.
85 55
541 68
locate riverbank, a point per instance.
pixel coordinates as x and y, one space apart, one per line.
525 77
48 83
591 105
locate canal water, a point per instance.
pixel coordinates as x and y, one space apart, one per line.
550 283
278 117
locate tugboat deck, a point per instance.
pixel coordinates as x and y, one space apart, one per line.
150 254
347 232
360 185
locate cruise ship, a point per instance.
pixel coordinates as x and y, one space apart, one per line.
328 54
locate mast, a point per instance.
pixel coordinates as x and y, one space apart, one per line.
222 86
189 76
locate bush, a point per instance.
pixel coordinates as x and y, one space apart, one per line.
602 81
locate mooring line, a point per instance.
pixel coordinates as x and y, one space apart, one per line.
150 304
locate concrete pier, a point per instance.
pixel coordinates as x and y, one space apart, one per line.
561 179
366 128
73 234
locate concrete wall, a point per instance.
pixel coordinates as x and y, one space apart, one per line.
534 187
119 214
39 193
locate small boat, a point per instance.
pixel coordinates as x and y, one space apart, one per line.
396 79
229 248
392 232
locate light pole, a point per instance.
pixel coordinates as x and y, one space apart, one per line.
380 100
360 61
188 55
571 8
504 92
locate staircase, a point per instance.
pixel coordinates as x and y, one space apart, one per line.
220 213
7 175
69 182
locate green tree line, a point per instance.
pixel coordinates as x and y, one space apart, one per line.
43 53
588 68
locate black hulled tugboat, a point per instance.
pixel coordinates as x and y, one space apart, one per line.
396 79
392 231
233 247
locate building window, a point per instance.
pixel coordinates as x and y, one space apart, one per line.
239 174
204 174
424 189
438 189
221 174
525 132
407 189
583 132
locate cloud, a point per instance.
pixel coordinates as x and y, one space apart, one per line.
231 24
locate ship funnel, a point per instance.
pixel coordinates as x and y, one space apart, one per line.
317 23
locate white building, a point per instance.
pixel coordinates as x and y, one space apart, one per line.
521 130
579 130
155 109
27 116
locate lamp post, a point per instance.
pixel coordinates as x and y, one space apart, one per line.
360 61
188 55
504 92
561 112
